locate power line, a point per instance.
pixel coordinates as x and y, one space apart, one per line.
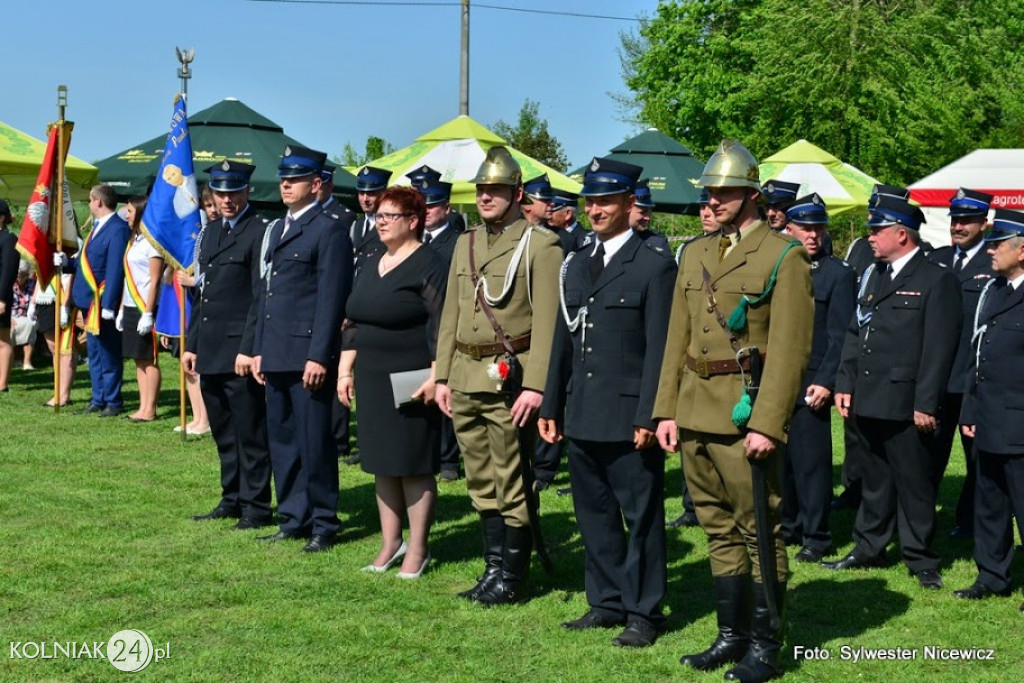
406 3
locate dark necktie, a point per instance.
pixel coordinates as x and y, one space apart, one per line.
958 265
884 279
427 237
597 263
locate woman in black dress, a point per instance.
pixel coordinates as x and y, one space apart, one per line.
393 316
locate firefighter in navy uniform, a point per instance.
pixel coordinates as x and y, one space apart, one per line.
967 258
778 195
807 480
640 217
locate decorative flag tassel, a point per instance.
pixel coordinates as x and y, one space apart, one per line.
738 318
741 411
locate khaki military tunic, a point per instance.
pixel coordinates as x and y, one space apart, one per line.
483 424
781 327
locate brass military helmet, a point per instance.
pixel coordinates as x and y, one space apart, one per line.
730 166
498 168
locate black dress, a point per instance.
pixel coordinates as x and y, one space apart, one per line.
392 324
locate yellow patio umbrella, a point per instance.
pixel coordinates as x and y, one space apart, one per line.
842 186
21 155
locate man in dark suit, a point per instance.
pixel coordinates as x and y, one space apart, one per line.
96 292
807 477
537 197
424 172
440 235
603 378
778 197
219 346
895 366
968 212
991 413
308 272
563 220
640 217
370 183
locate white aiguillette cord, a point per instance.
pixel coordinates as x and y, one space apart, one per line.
510 274
980 330
581 315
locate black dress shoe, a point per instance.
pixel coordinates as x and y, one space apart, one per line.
218 513
449 475
249 522
541 485
352 460
319 543
686 519
284 536
592 619
980 591
852 561
929 578
961 533
89 410
110 412
809 554
637 634
567 491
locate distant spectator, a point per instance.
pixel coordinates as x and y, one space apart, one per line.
8 273
23 315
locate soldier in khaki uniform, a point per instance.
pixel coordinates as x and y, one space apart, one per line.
702 382
471 361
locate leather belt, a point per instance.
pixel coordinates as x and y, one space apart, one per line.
478 351
708 368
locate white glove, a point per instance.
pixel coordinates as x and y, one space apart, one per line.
145 323
64 317
118 321
108 314
60 259
31 313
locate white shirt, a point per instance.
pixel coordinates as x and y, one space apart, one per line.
971 253
295 216
98 223
898 264
140 251
612 245
434 234
1016 282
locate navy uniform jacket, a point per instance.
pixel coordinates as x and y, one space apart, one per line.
444 244
607 383
655 240
973 277
106 258
899 361
223 322
993 401
340 213
571 241
309 273
834 283
364 245
860 256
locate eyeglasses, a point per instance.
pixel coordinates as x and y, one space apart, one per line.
390 217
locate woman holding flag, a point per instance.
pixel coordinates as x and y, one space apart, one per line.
143 266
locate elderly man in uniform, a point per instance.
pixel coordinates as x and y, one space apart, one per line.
370 183
968 213
609 342
807 480
990 416
761 282
778 197
537 197
308 275
897 357
563 220
218 347
494 346
640 217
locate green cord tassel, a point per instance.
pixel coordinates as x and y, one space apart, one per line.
738 318
741 411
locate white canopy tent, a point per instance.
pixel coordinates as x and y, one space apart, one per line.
999 172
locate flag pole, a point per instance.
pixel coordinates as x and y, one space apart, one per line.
185 58
58 242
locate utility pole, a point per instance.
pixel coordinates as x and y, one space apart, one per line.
464 62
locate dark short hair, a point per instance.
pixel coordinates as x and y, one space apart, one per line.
407 200
106 195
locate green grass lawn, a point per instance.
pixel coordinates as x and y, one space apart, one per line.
96 538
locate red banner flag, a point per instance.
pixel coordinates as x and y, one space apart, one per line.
38 240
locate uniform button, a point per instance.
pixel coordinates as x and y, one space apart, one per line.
743 288
711 309
868 351
268 316
689 284
714 288
867 372
707 329
206 301
622 300
590 300
589 375
589 325
704 349
270 294
205 318
474 327
871 329
590 349
274 273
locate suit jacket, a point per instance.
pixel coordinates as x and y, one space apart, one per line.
341 213
8 266
973 277
301 307
364 244
223 322
860 255
781 327
464 321
105 251
834 283
993 401
605 386
655 240
444 244
899 361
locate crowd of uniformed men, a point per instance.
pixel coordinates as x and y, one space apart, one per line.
733 353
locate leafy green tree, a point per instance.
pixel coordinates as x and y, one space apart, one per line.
895 88
530 136
375 148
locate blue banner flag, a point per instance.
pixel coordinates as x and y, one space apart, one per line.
171 220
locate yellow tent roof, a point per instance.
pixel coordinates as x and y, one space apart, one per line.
21 155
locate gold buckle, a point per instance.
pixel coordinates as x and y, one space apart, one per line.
701 368
474 351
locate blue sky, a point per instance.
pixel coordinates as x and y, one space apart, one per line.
329 74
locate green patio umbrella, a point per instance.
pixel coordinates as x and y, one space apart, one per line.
670 166
227 130
21 155
456 149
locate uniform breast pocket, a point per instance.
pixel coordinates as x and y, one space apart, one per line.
573 301
625 309
906 303
298 259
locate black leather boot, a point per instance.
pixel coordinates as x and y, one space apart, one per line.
515 568
493 526
733 603
761 663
